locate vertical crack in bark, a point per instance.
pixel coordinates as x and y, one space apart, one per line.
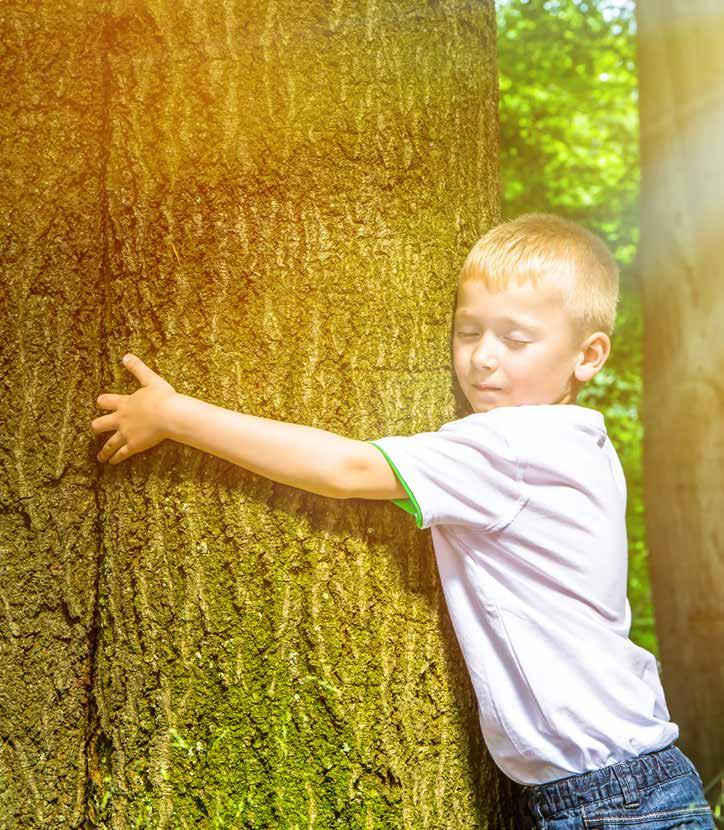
98 745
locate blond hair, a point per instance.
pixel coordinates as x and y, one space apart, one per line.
537 246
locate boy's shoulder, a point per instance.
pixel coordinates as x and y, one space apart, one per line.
553 433
532 418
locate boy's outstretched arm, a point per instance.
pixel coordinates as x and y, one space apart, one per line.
311 459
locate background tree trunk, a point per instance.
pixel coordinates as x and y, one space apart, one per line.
269 205
681 262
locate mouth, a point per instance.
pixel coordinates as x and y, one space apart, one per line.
486 388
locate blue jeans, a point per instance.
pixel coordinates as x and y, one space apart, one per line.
654 791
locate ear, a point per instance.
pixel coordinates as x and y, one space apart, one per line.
594 352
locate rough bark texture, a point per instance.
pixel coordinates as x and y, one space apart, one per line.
681 64
268 203
53 331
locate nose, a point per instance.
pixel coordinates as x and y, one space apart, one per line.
484 356
486 362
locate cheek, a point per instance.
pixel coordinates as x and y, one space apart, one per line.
546 366
460 367
527 367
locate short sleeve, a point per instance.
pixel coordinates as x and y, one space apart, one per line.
465 473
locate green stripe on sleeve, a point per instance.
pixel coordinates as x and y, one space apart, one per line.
410 504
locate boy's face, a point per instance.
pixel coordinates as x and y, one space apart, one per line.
519 340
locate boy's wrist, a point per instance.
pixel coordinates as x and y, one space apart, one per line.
174 413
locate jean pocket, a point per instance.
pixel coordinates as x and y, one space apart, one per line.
678 802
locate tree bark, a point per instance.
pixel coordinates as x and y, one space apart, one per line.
681 66
269 205
53 326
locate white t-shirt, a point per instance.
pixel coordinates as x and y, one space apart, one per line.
527 506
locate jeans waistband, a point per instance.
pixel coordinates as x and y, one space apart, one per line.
625 778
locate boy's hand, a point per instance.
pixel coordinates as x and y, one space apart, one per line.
139 419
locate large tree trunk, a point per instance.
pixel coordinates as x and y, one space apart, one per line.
53 330
268 204
681 257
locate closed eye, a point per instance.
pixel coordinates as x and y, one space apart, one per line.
509 339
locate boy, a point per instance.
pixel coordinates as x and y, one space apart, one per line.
526 499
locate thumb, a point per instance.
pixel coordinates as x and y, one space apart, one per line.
138 368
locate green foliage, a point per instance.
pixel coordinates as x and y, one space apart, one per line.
569 146
568 114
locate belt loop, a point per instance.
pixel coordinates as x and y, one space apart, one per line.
628 786
539 819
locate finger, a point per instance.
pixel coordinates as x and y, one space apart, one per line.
139 369
108 401
111 446
103 424
121 455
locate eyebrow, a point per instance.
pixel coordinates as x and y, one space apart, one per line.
506 319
